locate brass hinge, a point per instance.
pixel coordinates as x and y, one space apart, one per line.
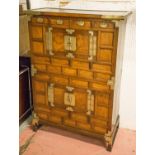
33 70
111 83
51 94
90 102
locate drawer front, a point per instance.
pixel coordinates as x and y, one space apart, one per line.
80 23
39 20
59 22
101 24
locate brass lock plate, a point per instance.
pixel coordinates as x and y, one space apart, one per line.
70 43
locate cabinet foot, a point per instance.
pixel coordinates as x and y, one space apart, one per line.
35 122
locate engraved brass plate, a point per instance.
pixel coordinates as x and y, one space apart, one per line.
40 20
103 25
80 23
70 43
69 99
59 21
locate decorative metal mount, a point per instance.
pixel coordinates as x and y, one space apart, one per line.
51 94
111 83
33 70
90 102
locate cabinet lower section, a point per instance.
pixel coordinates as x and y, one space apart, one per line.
91 127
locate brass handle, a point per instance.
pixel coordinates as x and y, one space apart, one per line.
40 20
59 21
103 25
80 23
90 102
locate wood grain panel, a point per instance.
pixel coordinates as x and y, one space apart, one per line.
104 55
55 119
69 122
80 101
99 86
40 60
40 67
54 69
106 38
39 86
80 65
102 99
101 76
37 47
43 77
59 62
69 71
85 74
78 83
79 117
37 32
101 68
59 80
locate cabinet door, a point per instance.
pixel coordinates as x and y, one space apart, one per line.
55 38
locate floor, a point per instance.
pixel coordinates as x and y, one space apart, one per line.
52 141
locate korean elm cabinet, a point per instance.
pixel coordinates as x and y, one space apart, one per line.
73 73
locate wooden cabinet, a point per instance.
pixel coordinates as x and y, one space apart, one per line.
73 73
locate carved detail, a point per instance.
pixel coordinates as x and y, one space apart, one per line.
35 121
111 83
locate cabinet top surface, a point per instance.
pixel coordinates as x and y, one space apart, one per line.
117 15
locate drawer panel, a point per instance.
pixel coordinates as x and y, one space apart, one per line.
80 23
101 68
40 67
103 24
41 76
79 117
102 99
37 47
85 74
59 22
106 38
83 126
42 116
101 112
37 32
40 60
69 71
99 87
101 76
78 83
100 130
40 99
59 62
55 119
99 123
104 55
39 20
59 80
39 86
54 69
59 112
80 65
69 122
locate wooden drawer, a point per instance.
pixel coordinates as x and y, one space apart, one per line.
103 24
69 71
42 77
40 67
39 20
54 69
85 74
78 83
80 64
59 62
40 60
102 68
59 22
60 80
80 23
37 31
101 76
99 86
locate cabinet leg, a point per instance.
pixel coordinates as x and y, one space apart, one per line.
35 122
109 147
